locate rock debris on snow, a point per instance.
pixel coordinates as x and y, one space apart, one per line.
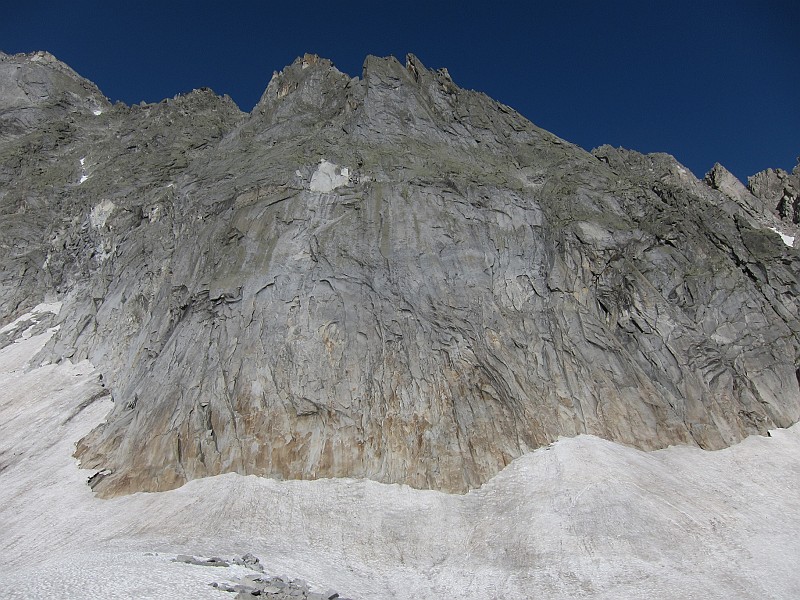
258 584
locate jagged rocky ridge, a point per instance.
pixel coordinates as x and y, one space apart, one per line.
386 277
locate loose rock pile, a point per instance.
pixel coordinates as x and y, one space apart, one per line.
259 584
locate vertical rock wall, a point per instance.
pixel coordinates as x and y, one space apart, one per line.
387 277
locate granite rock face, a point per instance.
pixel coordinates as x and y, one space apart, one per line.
386 277
779 191
771 198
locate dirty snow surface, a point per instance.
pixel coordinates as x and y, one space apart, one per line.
583 518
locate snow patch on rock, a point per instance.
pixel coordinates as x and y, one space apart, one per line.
787 239
34 314
328 177
84 174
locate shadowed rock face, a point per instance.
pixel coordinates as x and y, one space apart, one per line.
386 277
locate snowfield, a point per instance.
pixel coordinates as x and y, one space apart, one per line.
583 518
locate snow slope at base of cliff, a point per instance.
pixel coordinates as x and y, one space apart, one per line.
582 518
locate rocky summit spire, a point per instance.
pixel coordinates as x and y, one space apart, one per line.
386 277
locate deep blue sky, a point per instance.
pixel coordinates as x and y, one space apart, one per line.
705 81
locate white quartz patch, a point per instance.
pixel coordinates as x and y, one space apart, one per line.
787 239
328 177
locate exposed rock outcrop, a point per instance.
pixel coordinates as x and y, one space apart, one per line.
780 192
386 277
